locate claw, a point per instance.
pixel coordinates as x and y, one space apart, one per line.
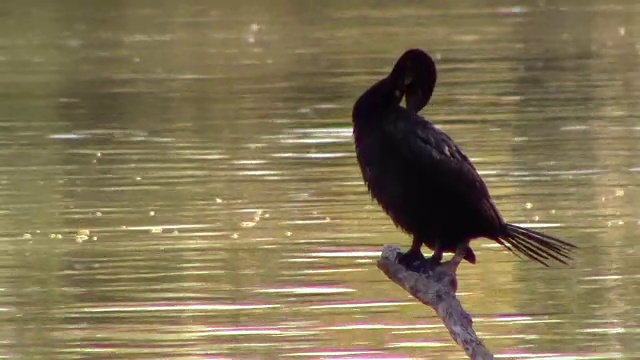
416 262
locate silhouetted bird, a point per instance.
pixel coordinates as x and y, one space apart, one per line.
424 181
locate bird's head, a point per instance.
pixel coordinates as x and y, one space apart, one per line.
415 77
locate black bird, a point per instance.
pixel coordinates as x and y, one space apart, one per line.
424 181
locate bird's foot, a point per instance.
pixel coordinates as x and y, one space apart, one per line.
416 262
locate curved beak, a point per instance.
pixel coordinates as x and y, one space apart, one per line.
413 95
415 100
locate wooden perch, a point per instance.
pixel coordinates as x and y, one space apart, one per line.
436 289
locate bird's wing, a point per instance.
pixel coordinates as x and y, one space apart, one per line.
441 159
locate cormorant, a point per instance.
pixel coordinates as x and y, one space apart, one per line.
423 180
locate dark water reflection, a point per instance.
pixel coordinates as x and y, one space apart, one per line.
177 179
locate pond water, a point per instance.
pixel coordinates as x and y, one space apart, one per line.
178 180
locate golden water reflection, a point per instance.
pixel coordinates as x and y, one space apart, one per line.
177 180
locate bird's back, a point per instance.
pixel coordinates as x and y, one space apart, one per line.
422 179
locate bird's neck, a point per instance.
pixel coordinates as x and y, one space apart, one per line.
376 102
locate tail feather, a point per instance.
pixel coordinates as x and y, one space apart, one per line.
535 245
538 251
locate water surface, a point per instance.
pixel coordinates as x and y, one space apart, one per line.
177 180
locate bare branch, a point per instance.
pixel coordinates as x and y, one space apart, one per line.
436 289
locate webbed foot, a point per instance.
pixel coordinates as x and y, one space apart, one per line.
416 262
